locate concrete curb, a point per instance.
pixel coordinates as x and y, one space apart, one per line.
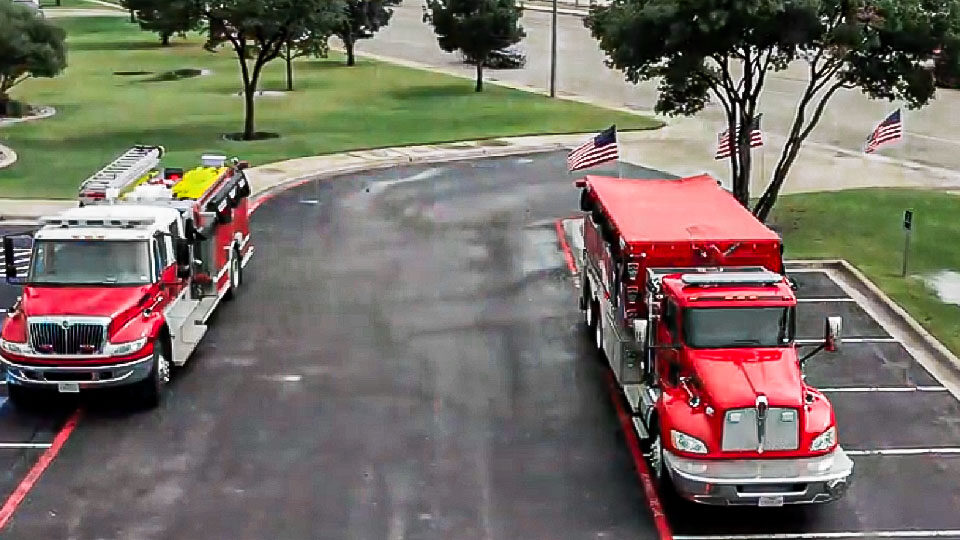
387 161
917 337
7 156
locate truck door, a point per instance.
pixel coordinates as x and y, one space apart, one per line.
668 341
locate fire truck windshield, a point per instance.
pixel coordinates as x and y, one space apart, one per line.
90 262
720 328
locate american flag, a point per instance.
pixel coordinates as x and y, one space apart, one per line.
599 149
890 130
725 145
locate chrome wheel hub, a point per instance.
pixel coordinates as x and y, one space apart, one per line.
163 369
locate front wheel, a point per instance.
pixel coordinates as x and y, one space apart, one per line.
150 390
235 274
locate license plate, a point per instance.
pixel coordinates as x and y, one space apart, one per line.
776 500
68 387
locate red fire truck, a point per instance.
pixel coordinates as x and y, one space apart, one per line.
119 290
684 292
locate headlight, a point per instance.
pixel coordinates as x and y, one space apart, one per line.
686 443
119 349
14 347
825 440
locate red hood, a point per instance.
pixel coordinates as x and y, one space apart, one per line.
113 302
733 378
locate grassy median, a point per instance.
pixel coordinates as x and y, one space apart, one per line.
334 108
865 227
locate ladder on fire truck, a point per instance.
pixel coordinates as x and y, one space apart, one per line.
121 174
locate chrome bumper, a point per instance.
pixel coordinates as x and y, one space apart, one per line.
761 482
85 376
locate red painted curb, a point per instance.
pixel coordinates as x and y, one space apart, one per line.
15 498
653 498
567 252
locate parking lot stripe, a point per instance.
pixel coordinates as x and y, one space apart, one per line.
854 389
850 340
904 451
47 457
567 252
837 299
4 445
826 535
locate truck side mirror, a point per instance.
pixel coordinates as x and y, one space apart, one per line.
833 333
182 249
10 247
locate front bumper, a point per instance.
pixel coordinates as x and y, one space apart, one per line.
84 376
761 482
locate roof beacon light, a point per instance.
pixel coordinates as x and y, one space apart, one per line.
731 278
213 160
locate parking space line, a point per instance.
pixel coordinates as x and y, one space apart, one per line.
835 299
905 451
943 533
850 340
854 389
15 445
15 498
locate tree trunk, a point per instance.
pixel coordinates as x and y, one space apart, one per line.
479 87
249 128
289 59
349 43
164 39
133 16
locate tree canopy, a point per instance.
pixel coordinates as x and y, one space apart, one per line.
363 18
166 17
728 48
258 31
475 27
30 46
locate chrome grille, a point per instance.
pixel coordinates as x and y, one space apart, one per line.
781 430
66 336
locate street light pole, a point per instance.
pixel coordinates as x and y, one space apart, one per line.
553 53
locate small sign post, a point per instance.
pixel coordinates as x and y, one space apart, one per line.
908 228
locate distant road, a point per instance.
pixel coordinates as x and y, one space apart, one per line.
933 134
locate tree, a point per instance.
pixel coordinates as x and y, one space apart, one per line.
728 48
166 17
475 27
313 41
362 19
258 30
30 46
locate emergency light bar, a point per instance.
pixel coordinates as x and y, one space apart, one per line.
125 223
121 173
731 278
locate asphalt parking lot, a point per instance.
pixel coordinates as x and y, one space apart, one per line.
407 361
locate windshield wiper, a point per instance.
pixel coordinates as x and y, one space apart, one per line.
746 341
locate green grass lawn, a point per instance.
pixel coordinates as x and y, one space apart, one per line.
334 109
865 227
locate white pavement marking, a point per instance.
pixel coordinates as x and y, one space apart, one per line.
801 300
377 187
904 451
15 445
943 533
854 389
850 340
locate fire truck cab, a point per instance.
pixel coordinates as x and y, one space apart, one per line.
119 290
684 293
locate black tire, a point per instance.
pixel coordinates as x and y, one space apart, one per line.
235 274
149 392
597 328
27 398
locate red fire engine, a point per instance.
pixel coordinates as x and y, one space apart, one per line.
119 290
684 292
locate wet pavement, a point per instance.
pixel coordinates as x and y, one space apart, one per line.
406 360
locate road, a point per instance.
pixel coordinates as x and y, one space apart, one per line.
933 133
406 360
